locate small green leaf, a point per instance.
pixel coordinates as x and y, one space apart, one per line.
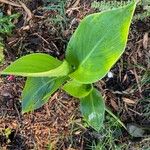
7 132
38 90
77 89
93 109
98 43
38 65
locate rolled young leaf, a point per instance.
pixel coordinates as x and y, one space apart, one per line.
77 89
98 43
37 91
38 65
93 109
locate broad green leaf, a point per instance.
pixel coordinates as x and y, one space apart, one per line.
1 52
38 65
98 43
93 109
38 90
77 89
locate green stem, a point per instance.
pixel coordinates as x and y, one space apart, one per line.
115 117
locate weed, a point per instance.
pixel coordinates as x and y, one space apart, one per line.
6 25
58 6
145 101
109 136
146 109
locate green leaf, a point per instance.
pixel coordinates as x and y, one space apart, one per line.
98 43
77 89
93 109
38 90
38 65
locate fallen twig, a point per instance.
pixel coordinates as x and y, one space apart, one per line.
10 3
28 11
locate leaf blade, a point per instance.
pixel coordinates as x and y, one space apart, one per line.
77 89
38 65
93 109
96 58
38 90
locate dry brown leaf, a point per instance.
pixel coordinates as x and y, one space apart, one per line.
128 101
26 28
145 40
137 80
28 11
10 3
77 132
125 78
114 104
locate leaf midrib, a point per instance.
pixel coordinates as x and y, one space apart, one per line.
94 48
90 53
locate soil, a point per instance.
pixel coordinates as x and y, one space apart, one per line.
59 123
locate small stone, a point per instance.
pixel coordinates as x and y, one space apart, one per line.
110 74
6 94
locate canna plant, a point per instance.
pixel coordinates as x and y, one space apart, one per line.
94 48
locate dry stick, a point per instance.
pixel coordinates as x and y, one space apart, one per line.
115 117
41 38
28 11
73 6
135 112
76 3
137 81
145 40
10 3
17 5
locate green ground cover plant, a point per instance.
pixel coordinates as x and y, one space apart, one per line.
109 134
6 27
93 49
59 7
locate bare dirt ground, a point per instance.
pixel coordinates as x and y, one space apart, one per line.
58 123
